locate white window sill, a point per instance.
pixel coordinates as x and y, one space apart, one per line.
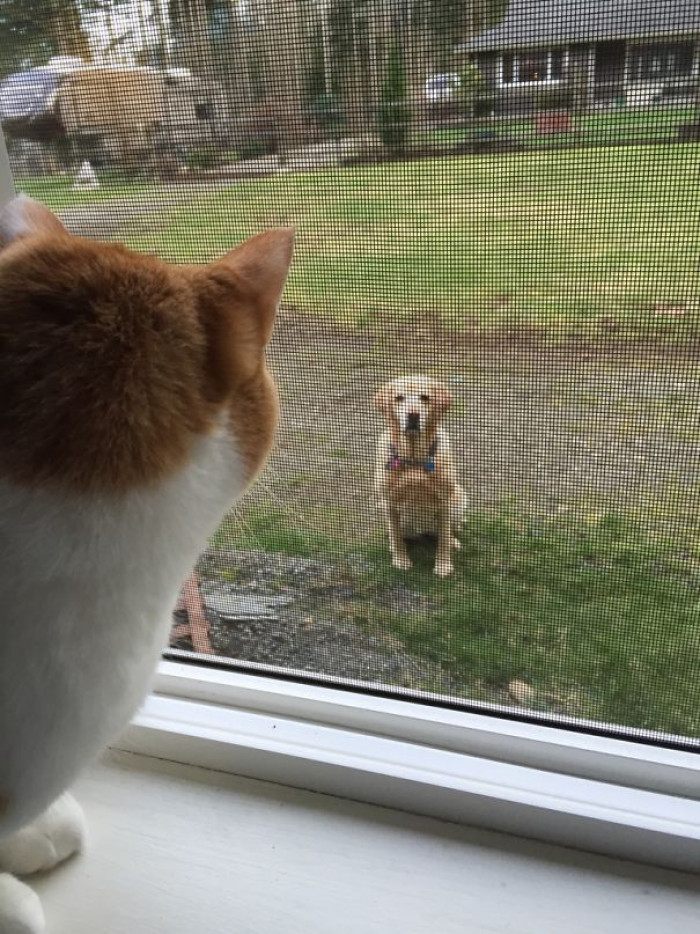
178 850
588 792
547 82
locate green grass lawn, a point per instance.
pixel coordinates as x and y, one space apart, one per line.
623 125
655 123
556 237
598 616
57 191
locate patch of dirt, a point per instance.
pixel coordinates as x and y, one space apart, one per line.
547 422
145 213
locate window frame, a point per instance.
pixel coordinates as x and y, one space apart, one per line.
576 789
516 56
475 767
641 53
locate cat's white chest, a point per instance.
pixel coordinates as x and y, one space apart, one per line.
86 596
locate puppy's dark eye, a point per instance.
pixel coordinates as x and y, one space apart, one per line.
424 397
399 398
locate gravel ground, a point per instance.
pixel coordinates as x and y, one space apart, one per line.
303 614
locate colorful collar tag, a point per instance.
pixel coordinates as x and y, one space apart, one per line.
396 463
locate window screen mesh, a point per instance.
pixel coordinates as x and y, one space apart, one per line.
500 198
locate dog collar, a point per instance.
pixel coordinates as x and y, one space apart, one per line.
396 462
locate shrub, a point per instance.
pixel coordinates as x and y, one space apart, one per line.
553 99
394 114
204 158
256 146
472 89
327 114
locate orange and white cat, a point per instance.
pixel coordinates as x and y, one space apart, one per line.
135 408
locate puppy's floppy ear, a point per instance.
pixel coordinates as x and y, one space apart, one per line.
383 397
441 396
238 298
24 217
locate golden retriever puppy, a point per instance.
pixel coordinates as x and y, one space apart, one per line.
415 476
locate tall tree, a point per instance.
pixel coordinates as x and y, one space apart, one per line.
429 31
281 28
31 31
231 52
193 36
64 26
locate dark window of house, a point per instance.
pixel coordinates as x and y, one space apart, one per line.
534 66
609 61
507 69
556 71
204 111
662 62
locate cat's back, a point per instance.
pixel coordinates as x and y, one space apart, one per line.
135 408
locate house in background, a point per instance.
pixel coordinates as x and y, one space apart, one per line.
602 52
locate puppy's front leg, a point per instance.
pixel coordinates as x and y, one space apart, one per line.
443 558
396 541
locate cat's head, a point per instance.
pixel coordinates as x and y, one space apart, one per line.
114 364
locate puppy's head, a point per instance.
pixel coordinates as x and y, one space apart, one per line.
413 405
113 365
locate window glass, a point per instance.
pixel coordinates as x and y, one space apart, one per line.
517 521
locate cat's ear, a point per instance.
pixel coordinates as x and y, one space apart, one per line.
24 217
239 295
260 267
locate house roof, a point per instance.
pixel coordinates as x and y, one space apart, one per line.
531 23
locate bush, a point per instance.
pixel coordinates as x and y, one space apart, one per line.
553 99
484 106
327 114
394 120
394 113
256 146
205 158
472 89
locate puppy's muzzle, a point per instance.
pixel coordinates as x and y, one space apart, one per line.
413 421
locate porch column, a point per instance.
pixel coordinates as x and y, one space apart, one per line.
626 70
696 72
590 85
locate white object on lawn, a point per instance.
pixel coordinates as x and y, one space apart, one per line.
86 179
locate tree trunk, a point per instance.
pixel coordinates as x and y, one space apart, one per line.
282 37
66 31
197 52
419 65
235 71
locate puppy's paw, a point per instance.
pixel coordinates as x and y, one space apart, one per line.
20 908
53 837
443 568
402 562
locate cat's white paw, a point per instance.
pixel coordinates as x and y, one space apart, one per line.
53 837
20 908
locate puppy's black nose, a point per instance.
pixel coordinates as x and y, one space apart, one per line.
413 421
